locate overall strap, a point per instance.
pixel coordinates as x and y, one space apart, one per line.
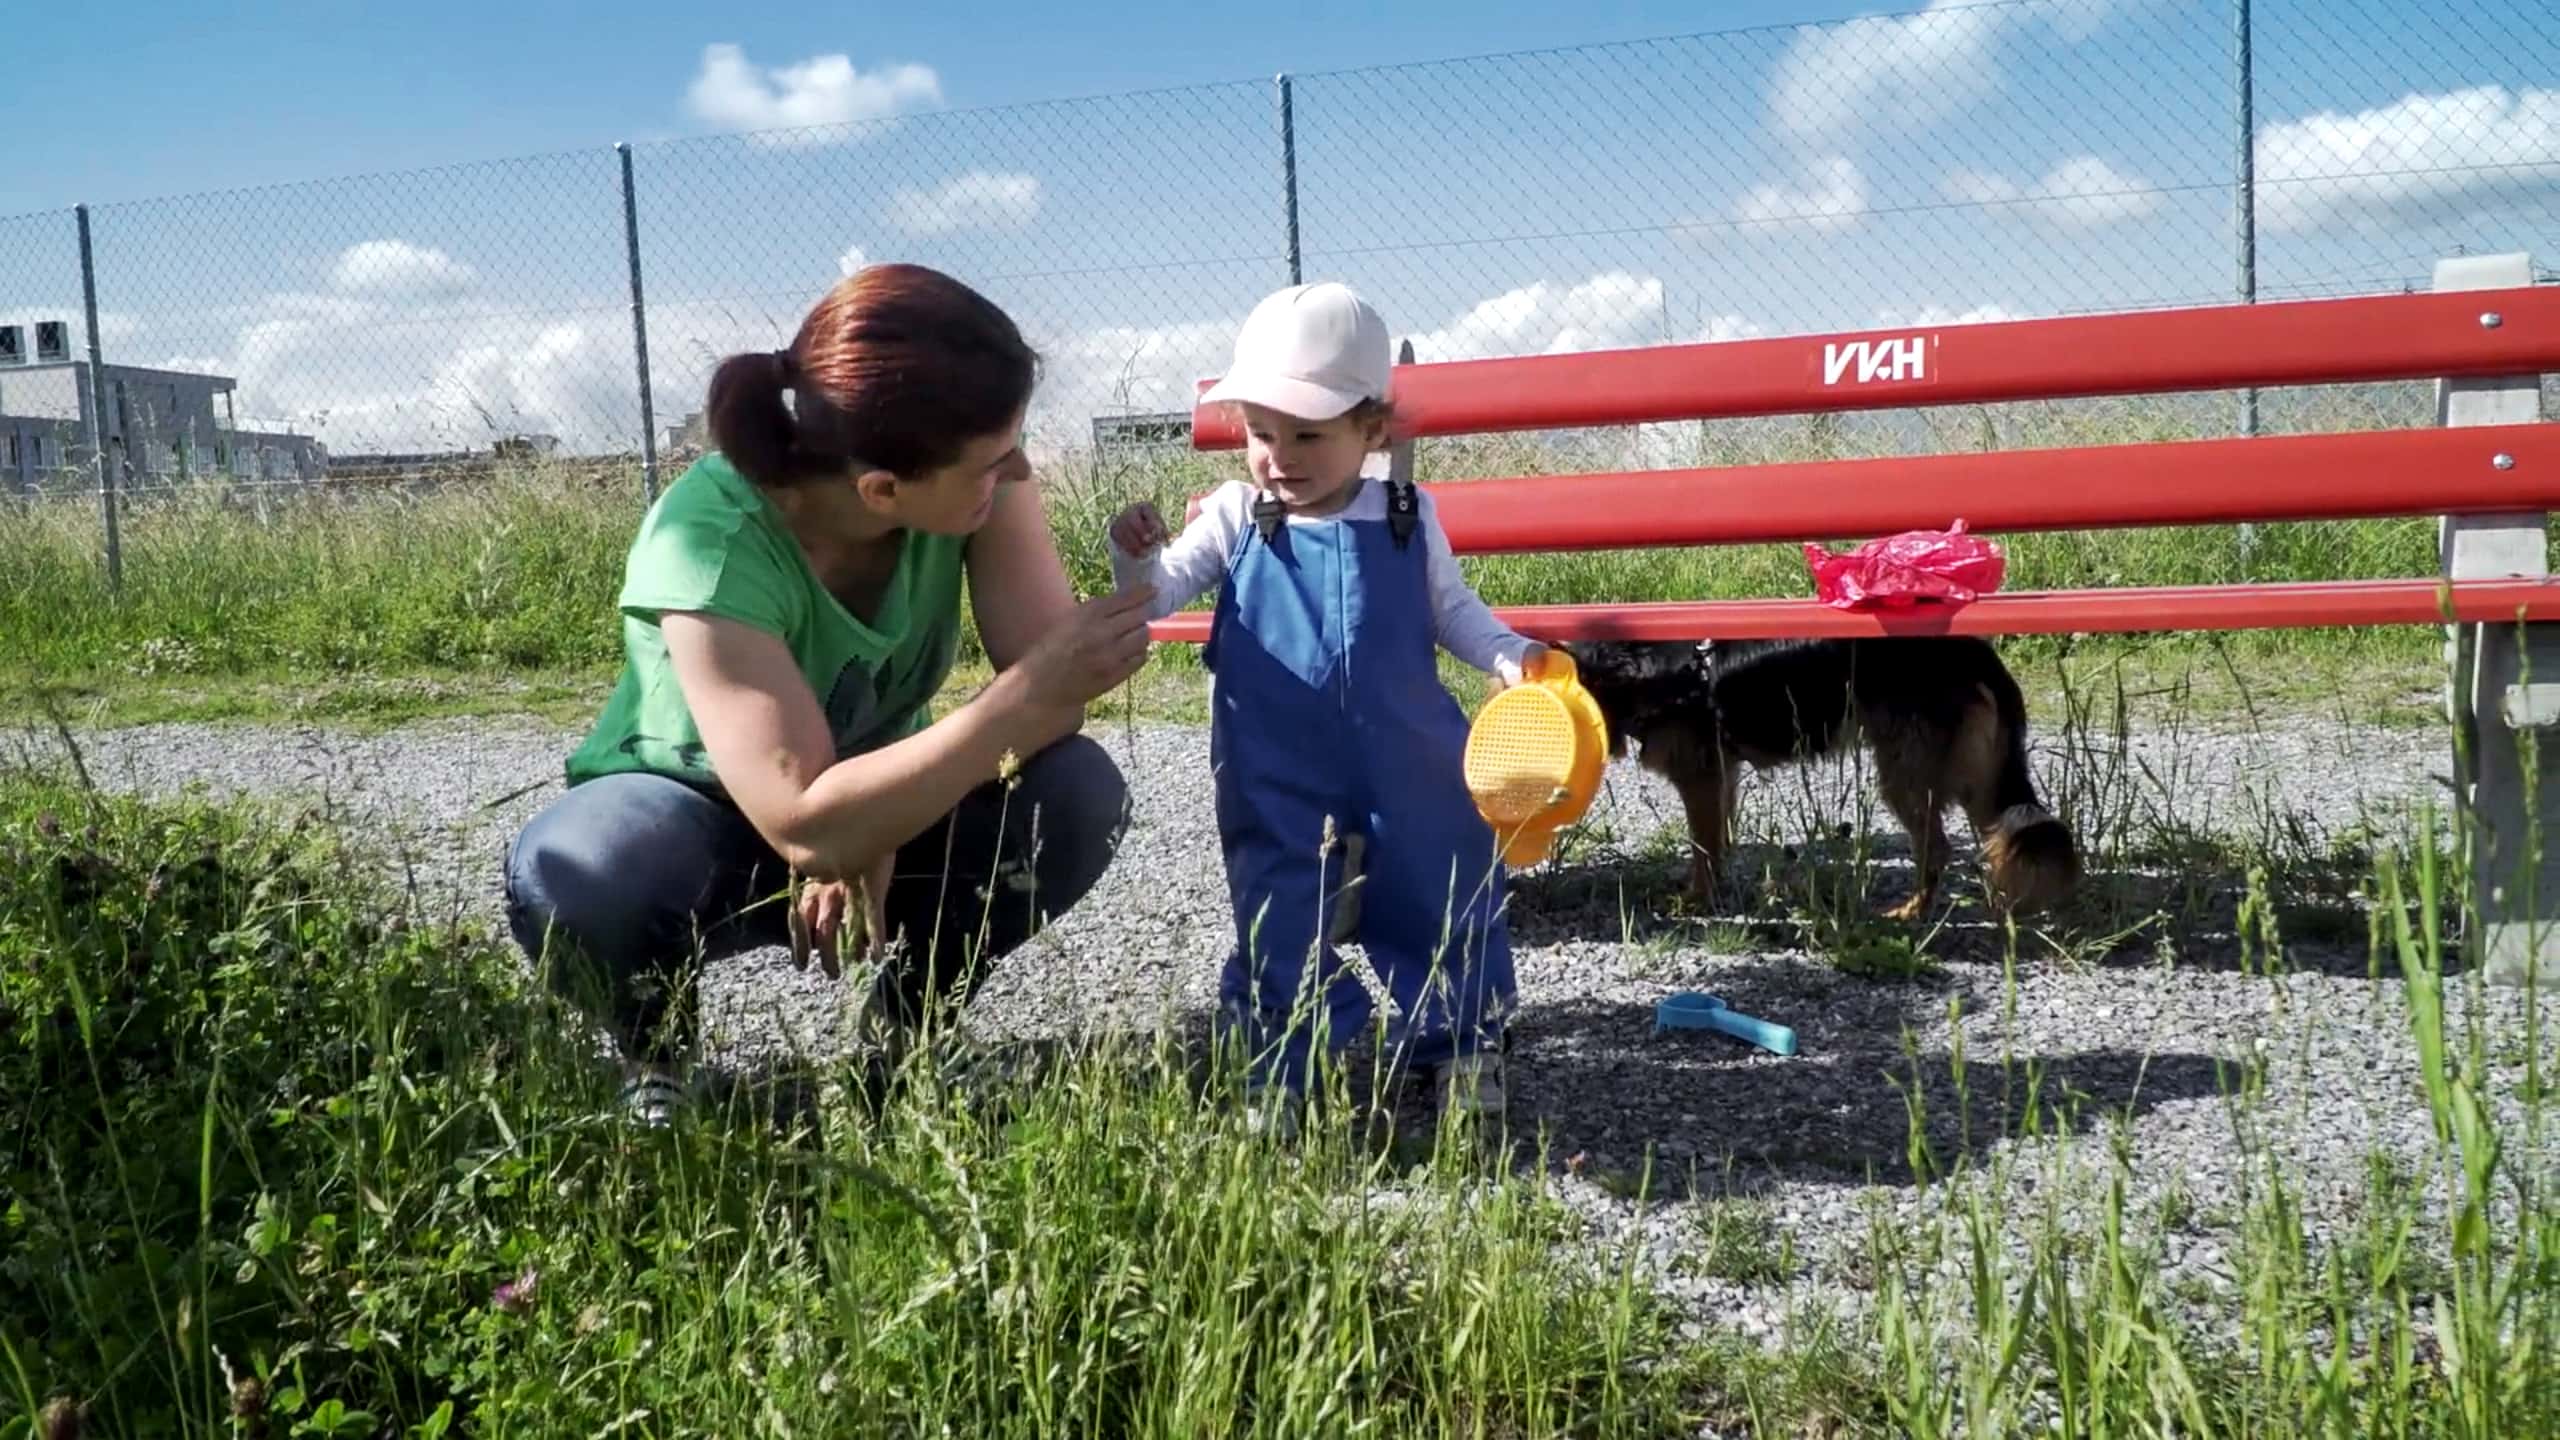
1404 510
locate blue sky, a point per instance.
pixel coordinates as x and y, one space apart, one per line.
1750 174
169 99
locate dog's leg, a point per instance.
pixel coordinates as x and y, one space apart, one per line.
2028 856
1707 786
1909 778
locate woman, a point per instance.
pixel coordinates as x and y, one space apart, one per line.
789 607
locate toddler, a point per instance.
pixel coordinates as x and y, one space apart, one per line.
1334 746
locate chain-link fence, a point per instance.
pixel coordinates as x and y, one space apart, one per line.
1963 162
43 335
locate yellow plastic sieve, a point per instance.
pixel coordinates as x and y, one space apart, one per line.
1534 758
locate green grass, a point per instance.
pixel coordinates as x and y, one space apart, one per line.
277 1166
497 596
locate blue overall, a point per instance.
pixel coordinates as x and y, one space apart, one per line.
1328 706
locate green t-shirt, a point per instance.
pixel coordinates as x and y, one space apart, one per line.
713 543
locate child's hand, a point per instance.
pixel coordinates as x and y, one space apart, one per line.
1532 659
1139 530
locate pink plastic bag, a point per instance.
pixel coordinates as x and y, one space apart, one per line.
1901 572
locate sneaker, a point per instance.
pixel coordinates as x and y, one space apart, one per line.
1271 1112
650 1097
1472 1085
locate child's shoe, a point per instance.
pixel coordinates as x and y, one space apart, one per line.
1472 1085
650 1097
1271 1112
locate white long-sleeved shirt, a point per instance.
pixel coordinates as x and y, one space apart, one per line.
1196 561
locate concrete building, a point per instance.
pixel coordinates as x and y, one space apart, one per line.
159 427
686 439
1158 431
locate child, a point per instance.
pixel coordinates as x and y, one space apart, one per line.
1332 741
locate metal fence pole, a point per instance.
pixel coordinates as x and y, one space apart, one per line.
2244 199
639 330
1289 168
2244 221
98 411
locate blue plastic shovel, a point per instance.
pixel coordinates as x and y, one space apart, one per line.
1691 1010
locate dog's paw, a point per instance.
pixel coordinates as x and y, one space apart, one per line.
1910 911
1703 887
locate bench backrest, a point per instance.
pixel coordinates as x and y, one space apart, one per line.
2445 335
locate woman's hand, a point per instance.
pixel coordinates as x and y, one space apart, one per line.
1100 644
830 919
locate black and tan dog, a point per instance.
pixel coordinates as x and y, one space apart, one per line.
1941 716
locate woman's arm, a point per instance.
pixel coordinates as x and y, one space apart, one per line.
1017 585
768 741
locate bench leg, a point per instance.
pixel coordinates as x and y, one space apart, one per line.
2510 808
2503 686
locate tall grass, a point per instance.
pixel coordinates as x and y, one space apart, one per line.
516 575
2405 1326
277 1167
283 1159
512 574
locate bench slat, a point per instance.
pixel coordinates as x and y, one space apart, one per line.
2295 342
2184 482
2028 612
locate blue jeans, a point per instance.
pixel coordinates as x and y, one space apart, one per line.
624 882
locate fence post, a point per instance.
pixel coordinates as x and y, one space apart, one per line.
98 411
2244 196
2504 683
1289 168
639 330
2244 221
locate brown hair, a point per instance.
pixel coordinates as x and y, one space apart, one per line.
897 368
1381 413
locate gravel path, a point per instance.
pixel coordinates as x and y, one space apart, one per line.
1802 1150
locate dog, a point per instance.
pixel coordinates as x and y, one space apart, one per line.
1940 715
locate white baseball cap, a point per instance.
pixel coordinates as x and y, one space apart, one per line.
1312 351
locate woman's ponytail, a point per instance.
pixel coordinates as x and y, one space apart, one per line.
748 419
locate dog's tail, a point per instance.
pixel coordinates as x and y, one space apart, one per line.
2028 854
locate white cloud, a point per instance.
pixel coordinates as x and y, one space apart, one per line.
435 373
1896 317
851 260
1726 327
1915 66
1832 199
2080 193
2451 151
1117 369
1610 309
364 373
823 90
979 200
1906 69
397 268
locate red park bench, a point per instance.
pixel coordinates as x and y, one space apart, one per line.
2486 334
